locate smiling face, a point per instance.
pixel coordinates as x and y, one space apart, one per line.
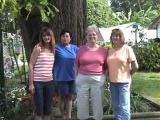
117 38
65 38
91 36
46 38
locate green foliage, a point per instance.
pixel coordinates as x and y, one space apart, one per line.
10 10
20 73
122 18
142 12
144 17
99 13
147 84
47 10
106 45
134 5
8 106
107 106
138 104
22 57
148 55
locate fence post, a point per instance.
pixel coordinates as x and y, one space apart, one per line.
2 80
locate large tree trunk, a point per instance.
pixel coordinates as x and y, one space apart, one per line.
30 29
72 15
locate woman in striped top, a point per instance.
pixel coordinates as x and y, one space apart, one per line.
40 74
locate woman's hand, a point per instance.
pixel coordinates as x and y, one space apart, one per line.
31 89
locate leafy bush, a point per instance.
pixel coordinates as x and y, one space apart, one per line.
107 107
148 55
138 104
22 57
17 101
21 72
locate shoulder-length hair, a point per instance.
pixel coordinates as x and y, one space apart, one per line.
48 31
117 32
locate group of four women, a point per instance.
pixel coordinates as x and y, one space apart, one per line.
81 72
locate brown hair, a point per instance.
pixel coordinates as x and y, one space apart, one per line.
119 33
47 30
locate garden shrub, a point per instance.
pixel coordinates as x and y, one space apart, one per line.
16 101
148 55
22 57
140 105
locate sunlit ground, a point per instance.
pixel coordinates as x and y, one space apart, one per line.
147 84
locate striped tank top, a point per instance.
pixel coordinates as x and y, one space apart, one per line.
43 67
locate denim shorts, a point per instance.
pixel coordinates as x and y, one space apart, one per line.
66 87
43 97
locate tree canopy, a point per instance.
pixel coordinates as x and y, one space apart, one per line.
11 9
134 5
140 11
99 13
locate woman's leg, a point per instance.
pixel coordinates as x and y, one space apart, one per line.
70 97
120 93
124 101
61 88
46 118
69 100
63 106
38 100
82 97
38 117
48 95
97 85
115 100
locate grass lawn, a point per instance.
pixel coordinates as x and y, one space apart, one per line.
147 84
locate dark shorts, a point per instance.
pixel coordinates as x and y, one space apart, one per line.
66 87
43 97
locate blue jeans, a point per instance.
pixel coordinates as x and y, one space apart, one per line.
120 94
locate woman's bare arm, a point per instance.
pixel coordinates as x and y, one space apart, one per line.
134 67
32 62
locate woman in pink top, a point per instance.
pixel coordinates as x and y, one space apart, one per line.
40 74
90 79
122 64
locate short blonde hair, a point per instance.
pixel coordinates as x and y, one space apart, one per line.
91 28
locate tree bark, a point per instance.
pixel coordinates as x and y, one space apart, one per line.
30 29
2 79
72 15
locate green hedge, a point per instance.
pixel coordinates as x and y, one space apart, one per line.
148 55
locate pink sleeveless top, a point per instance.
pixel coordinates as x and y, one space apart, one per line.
43 68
